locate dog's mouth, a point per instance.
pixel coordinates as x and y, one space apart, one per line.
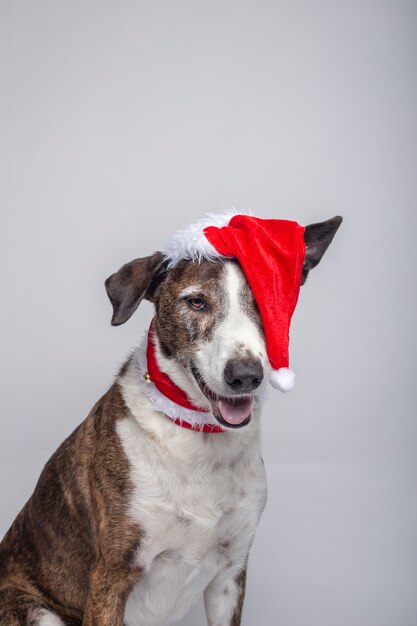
233 412
230 411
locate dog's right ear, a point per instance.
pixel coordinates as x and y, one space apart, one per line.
134 282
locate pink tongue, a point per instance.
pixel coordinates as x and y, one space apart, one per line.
235 412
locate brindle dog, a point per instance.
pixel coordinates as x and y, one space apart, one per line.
76 554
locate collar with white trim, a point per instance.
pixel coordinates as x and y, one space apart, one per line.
181 407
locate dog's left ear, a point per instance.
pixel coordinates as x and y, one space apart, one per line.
134 282
318 238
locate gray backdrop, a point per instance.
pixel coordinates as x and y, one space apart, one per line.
122 121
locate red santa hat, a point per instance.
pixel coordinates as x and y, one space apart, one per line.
271 253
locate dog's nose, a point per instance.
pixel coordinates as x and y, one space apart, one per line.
243 375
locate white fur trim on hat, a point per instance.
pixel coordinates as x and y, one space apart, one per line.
282 379
191 242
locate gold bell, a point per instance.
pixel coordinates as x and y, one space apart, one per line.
147 377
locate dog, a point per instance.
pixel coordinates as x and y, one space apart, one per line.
134 517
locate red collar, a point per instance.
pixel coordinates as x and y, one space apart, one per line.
167 387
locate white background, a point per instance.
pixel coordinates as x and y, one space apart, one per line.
123 121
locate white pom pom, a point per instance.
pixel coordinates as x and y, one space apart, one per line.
282 379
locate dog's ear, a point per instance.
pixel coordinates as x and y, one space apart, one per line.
133 282
318 238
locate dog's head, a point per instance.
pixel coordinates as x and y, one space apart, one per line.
207 322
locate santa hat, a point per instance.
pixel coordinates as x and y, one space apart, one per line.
271 253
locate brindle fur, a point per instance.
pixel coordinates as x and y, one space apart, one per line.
178 331
70 548
241 585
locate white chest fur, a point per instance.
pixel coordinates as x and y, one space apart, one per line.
197 497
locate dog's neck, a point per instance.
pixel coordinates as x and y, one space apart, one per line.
192 413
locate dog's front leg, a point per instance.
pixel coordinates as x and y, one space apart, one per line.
223 598
108 592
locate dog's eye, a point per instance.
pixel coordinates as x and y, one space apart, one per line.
197 304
